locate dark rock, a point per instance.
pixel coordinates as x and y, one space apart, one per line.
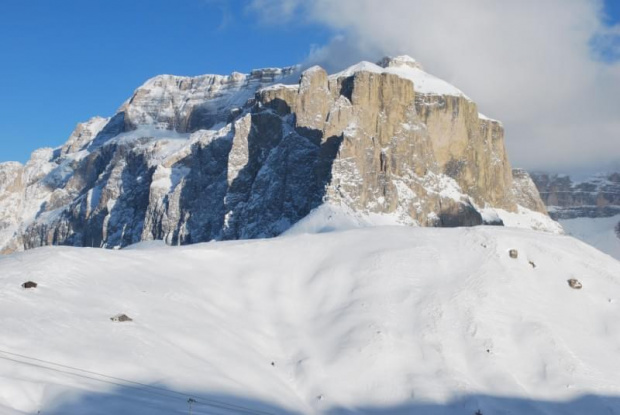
121 318
513 253
460 214
29 284
574 283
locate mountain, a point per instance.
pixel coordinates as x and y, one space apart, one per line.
213 157
587 209
381 320
336 314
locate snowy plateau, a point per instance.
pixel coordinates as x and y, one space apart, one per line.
288 242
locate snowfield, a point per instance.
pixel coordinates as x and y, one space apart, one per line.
373 320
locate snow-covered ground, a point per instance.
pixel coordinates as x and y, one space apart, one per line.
423 83
523 218
386 319
598 232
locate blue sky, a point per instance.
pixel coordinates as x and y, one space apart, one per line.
613 11
64 61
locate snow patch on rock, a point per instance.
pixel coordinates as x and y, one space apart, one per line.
423 83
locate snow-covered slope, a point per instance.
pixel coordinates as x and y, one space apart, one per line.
374 320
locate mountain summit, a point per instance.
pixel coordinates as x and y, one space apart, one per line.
192 159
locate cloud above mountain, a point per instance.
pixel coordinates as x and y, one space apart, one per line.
549 70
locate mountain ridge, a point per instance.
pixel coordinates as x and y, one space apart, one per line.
191 159
588 208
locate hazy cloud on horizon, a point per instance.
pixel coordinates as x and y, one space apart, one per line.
549 70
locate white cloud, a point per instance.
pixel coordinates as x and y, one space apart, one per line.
536 65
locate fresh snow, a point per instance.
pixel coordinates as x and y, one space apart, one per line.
150 132
379 320
524 218
403 60
330 217
423 83
402 66
485 118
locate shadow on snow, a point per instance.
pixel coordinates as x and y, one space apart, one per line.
144 400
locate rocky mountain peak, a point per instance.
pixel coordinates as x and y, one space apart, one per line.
187 104
399 62
191 159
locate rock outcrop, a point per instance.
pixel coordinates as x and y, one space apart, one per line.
525 191
187 160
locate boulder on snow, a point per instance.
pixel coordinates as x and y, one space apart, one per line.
513 253
121 318
574 283
29 284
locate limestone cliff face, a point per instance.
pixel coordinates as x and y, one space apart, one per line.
11 183
469 148
398 150
525 191
25 191
185 104
187 160
83 135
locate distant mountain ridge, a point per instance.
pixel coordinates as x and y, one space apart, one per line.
597 196
587 209
192 159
